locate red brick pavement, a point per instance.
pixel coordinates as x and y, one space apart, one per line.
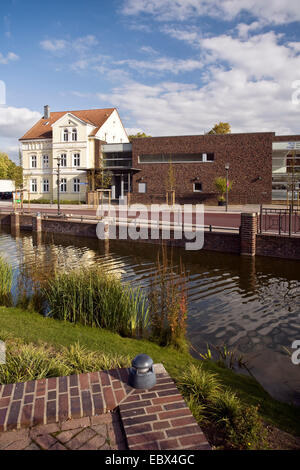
152 419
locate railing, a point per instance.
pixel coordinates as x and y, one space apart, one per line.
279 221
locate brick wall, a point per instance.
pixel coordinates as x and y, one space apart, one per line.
249 156
278 246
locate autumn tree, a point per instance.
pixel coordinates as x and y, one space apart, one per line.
221 128
139 135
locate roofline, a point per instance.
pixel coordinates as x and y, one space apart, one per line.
204 135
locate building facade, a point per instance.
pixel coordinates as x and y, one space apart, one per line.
73 139
262 167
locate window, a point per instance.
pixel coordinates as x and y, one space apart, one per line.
142 187
63 159
33 161
66 135
76 186
63 185
197 187
45 161
45 186
76 159
34 186
74 134
177 158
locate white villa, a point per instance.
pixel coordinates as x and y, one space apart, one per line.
74 138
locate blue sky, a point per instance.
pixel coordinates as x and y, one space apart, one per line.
170 66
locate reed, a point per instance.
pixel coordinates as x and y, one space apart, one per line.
91 296
6 277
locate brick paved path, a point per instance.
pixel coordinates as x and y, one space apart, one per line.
75 412
101 432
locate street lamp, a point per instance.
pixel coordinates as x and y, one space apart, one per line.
58 184
227 183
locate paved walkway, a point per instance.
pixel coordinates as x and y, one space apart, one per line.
97 410
103 432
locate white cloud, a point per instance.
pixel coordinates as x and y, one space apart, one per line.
10 57
247 83
81 44
272 11
53 45
14 122
163 64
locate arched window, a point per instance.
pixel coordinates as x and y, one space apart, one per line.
66 135
74 134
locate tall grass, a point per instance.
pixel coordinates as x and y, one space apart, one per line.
26 362
93 297
6 277
168 303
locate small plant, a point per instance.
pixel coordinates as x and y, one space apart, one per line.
6 277
222 185
199 384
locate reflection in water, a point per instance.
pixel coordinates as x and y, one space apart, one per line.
251 304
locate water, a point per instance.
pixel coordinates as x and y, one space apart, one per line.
252 305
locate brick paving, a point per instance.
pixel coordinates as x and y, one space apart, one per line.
103 432
81 412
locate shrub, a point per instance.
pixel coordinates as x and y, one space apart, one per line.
209 402
199 384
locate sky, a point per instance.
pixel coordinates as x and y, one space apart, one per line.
170 67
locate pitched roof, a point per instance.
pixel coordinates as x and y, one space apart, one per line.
43 130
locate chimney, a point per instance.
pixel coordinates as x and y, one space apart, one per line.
46 112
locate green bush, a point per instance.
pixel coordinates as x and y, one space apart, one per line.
210 402
93 297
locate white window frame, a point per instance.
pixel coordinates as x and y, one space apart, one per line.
76 160
197 190
46 184
63 185
65 135
63 158
74 134
76 184
45 161
142 185
33 185
33 161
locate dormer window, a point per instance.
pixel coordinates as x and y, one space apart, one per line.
66 135
74 135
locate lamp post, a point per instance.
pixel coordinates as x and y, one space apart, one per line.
227 182
58 184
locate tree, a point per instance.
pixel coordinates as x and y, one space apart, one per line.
139 135
220 184
221 128
10 171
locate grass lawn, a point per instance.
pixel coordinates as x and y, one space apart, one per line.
32 327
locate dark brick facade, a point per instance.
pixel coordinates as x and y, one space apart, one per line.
249 157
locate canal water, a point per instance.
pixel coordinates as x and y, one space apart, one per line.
250 304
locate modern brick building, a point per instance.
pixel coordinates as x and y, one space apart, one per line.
263 167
